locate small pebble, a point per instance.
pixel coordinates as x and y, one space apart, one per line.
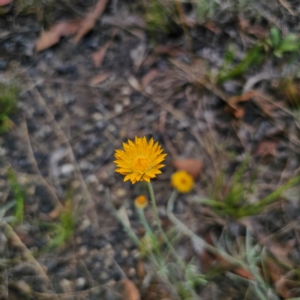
126 101
111 128
91 179
67 169
80 283
2 151
66 285
100 188
85 224
121 193
118 108
83 250
103 276
97 116
85 165
124 253
131 272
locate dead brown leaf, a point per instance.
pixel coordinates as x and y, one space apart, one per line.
54 214
233 106
168 50
99 55
236 111
100 78
90 20
130 290
266 148
5 2
256 30
210 25
51 37
149 77
141 269
192 166
276 274
241 98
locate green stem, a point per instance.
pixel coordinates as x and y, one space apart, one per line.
170 246
144 221
192 235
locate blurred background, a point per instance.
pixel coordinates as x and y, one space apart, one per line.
215 82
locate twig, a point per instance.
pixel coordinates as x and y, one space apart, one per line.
59 132
24 126
10 233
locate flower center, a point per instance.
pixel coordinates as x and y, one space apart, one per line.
141 164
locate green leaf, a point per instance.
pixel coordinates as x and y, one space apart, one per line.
275 37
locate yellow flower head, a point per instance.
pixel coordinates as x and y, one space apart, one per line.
140 160
141 202
182 181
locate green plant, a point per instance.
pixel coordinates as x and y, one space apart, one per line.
159 14
3 209
8 98
65 229
19 196
253 58
281 45
231 198
206 9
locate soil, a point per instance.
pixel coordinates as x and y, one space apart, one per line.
67 127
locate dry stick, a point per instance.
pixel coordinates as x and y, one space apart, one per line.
181 16
24 127
287 6
59 132
10 233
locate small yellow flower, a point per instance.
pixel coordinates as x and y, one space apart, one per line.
182 181
141 202
140 160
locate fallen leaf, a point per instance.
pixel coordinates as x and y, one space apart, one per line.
99 55
51 37
135 83
256 30
276 274
130 290
266 148
241 98
140 269
169 50
233 107
5 2
192 166
100 78
90 20
55 212
236 111
210 25
149 77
